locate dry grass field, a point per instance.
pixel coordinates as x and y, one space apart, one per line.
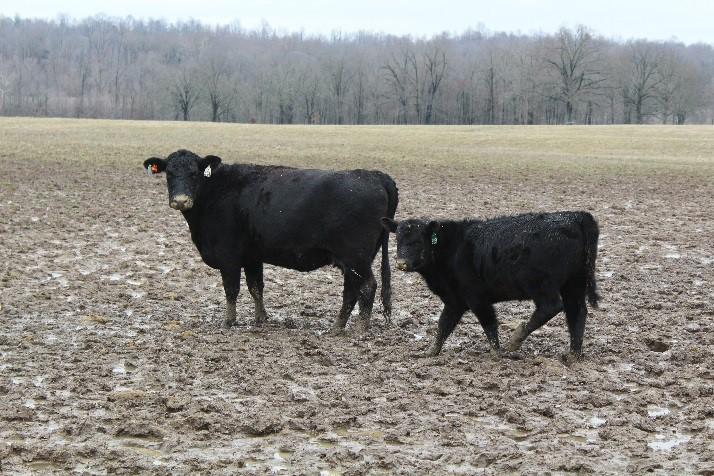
112 357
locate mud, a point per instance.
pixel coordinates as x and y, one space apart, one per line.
113 358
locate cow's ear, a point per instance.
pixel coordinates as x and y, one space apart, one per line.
389 224
209 161
155 165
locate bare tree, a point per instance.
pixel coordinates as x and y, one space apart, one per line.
218 87
185 93
640 91
435 65
397 75
340 79
576 63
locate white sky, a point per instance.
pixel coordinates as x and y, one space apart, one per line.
689 21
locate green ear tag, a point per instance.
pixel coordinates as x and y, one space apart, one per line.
434 238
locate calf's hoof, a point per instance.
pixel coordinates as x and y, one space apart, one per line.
337 329
425 355
516 339
228 323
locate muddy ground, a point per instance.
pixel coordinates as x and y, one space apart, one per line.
113 359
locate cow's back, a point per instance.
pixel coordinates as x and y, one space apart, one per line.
311 211
518 253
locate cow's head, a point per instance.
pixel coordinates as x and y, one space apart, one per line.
415 242
185 173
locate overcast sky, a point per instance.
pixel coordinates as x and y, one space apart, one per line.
689 21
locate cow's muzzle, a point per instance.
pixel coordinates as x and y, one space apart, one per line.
402 265
181 202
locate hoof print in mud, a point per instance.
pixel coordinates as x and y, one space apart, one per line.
657 345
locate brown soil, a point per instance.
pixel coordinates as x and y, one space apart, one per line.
112 357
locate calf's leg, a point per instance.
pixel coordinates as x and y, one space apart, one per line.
231 285
576 312
254 279
546 307
487 318
450 316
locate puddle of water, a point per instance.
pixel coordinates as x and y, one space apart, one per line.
119 369
326 444
44 466
464 468
572 438
655 412
348 432
667 442
144 445
597 422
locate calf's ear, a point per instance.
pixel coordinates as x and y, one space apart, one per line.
432 230
389 224
155 165
209 160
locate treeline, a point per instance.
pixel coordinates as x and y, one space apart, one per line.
132 69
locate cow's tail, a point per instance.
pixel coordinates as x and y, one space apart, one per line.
592 233
386 294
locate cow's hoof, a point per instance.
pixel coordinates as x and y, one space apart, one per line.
362 327
261 319
228 324
495 353
571 358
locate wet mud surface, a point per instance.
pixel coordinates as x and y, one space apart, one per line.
113 359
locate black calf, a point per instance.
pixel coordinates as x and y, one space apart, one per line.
548 258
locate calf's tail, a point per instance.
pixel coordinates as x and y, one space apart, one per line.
393 199
592 233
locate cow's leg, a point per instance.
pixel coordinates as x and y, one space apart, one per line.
546 307
254 279
350 292
367 291
450 317
231 285
576 313
486 315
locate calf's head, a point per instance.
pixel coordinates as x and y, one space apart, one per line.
185 173
415 242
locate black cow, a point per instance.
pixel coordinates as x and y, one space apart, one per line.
547 257
242 216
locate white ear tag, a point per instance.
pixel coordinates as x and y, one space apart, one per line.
207 172
148 170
